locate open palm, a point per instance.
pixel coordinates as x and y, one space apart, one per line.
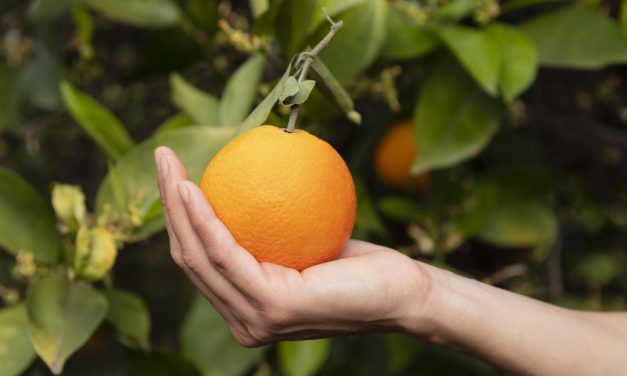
369 287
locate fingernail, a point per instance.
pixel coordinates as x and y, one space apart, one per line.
163 165
183 191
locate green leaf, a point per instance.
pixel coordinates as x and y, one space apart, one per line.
623 16
258 7
239 93
16 352
294 20
303 358
456 9
401 208
97 121
39 80
137 174
27 223
599 269
204 15
207 342
453 121
405 39
130 317
359 42
367 219
329 86
295 92
9 115
333 8
47 10
478 53
264 23
580 38
177 121
402 349
476 208
142 13
84 24
62 315
200 106
520 223
290 88
520 60
160 363
261 112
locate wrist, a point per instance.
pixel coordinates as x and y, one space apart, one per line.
439 306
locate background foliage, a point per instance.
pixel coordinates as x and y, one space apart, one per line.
519 117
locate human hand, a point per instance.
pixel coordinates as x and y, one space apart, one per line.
368 287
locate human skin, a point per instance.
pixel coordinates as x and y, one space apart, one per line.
374 288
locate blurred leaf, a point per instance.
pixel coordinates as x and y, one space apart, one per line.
577 37
333 8
517 4
478 53
329 86
239 93
623 16
303 358
258 7
39 80
456 9
27 223
204 14
84 24
62 315
97 121
367 219
520 60
16 352
405 39
9 87
599 269
476 208
525 223
456 119
207 342
136 170
401 208
359 42
130 317
293 22
180 120
200 106
160 363
263 109
47 10
142 13
264 23
402 350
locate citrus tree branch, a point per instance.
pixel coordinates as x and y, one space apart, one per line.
308 59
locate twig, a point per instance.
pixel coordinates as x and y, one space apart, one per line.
309 58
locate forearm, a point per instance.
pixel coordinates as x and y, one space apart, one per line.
520 334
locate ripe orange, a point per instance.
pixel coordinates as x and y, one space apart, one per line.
394 156
288 198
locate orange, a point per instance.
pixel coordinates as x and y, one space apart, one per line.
394 156
288 198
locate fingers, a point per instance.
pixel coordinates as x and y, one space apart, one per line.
187 250
234 262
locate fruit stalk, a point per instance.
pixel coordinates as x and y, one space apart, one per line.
308 59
